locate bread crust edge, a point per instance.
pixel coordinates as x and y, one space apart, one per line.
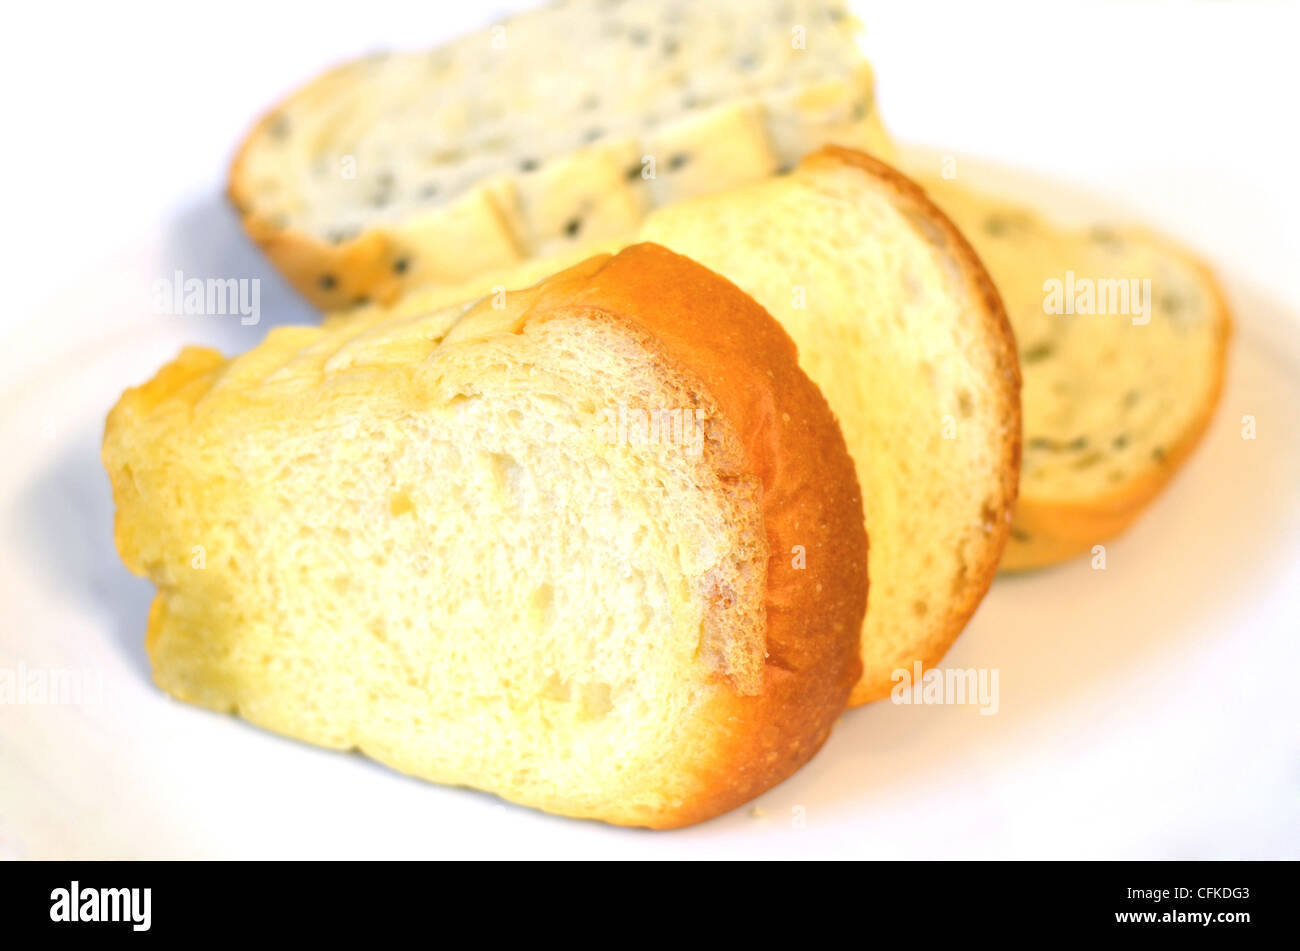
749 365
736 744
1002 342
1060 531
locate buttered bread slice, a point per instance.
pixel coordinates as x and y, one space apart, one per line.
1123 338
549 130
898 323
598 550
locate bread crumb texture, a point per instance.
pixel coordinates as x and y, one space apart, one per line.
422 539
897 322
404 169
1119 388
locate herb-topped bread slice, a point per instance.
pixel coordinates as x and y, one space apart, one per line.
542 549
898 323
554 128
1123 338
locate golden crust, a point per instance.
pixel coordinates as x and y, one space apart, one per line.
1055 531
746 738
999 337
996 335
720 336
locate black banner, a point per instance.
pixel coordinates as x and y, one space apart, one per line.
1221 901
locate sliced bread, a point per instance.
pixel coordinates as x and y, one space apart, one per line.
898 323
553 128
1123 338
598 550
348 240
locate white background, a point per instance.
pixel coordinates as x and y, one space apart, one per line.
1146 711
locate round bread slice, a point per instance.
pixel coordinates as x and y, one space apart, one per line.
410 168
898 323
595 547
1123 340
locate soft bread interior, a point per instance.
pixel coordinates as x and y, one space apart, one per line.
1118 387
426 542
410 167
891 328
912 351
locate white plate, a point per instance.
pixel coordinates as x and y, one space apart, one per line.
1143 709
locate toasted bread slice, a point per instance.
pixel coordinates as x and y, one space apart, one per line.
542 550
406 169
1123 339
898 323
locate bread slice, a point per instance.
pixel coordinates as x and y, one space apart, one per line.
897 322
406 169
598 550
1121 378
